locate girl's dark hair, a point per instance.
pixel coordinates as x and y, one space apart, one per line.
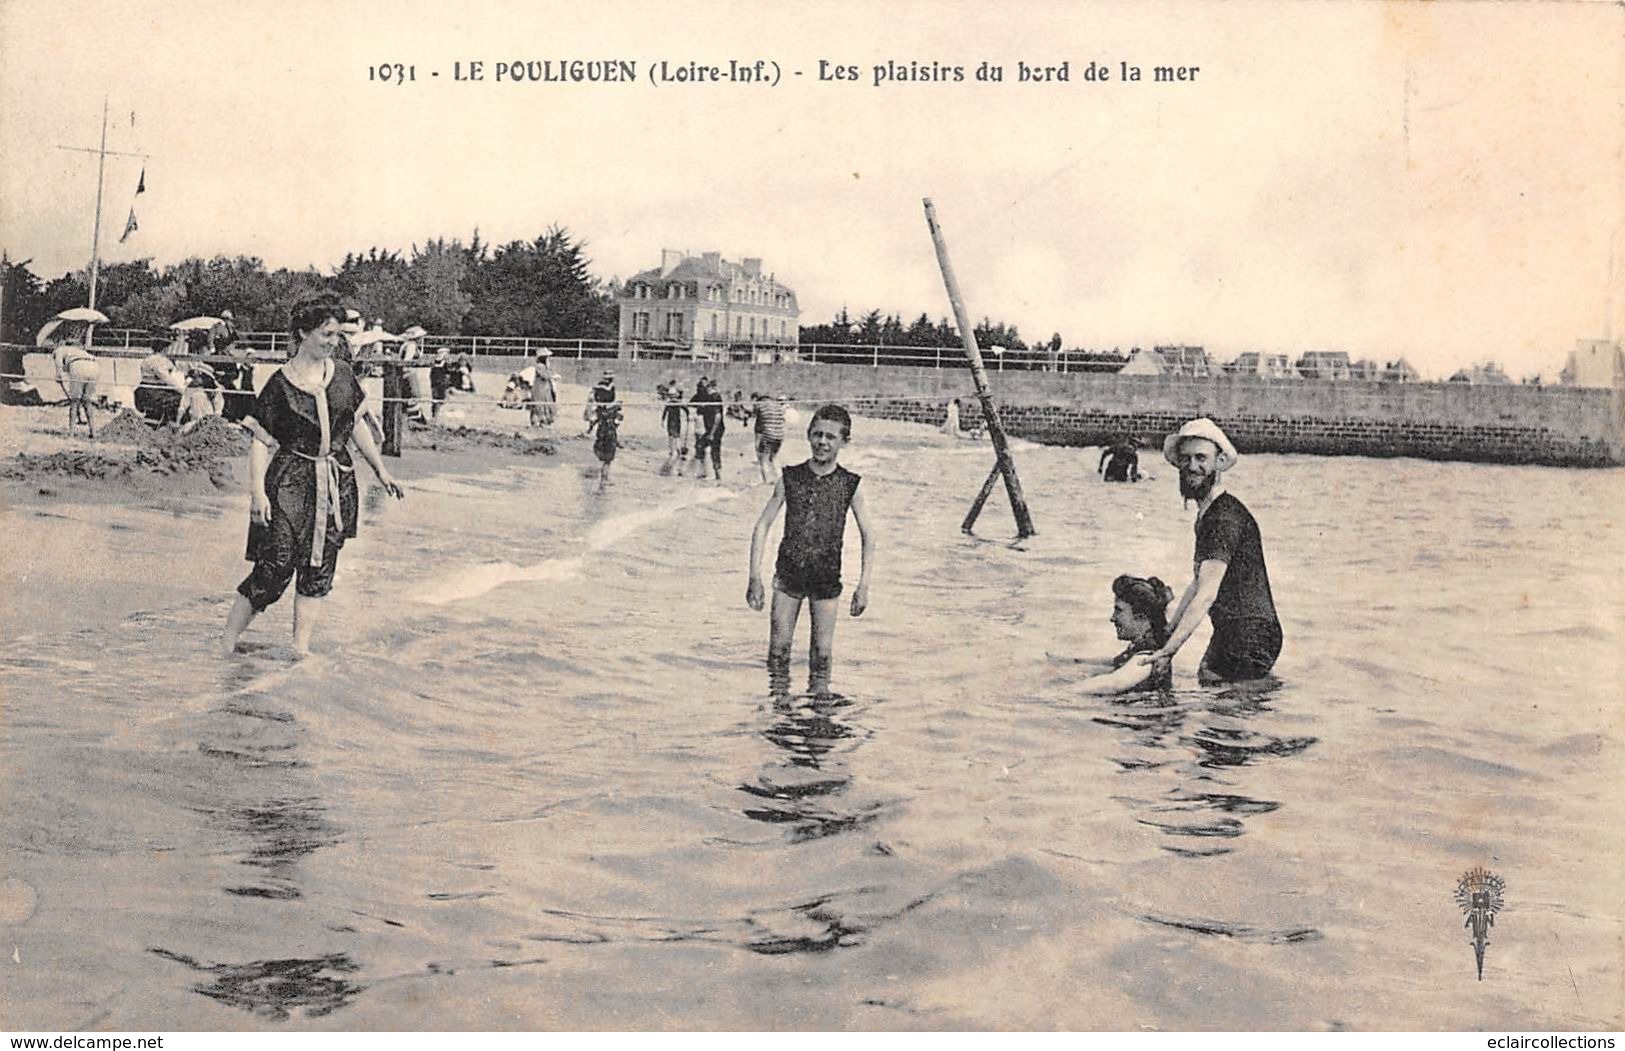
835 413
1148 597
312 313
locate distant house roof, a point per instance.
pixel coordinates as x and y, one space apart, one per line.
707 269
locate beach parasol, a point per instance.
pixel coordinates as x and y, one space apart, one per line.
46 331
193 323
415 332
371 336
95 317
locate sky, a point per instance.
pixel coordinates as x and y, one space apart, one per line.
1442 181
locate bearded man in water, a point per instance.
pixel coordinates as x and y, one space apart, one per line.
1231 584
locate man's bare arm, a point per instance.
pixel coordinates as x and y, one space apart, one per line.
1203 590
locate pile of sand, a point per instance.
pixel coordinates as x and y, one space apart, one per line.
211 449
127 428
473 438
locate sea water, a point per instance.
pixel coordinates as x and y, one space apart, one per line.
535 776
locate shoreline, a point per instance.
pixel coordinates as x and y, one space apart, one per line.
85 539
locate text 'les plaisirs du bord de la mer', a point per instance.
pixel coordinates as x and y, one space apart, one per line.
768 73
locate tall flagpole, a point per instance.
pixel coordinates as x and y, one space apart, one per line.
101 171
96 235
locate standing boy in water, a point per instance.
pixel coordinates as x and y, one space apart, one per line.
816 495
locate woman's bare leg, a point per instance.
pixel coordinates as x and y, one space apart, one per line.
241 613
306 612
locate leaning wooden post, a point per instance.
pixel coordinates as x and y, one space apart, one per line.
981 498
1001 448
394 406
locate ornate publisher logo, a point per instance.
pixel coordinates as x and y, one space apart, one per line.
1478 893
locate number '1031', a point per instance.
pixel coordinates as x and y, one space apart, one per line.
392 72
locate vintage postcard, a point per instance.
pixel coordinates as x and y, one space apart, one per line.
812 516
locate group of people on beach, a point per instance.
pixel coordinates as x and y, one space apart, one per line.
304 504
703 417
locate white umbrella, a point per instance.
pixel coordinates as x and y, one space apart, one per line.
46 331
371 336
83 314
415 332
192 323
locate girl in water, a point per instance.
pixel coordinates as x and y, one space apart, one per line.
1140 615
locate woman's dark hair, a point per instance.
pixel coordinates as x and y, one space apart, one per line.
310 314
835 413
1148 597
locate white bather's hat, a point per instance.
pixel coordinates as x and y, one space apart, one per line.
1200 428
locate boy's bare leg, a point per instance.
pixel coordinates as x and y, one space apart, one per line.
786 611
821 659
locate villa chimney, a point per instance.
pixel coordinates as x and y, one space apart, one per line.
753 267
669 258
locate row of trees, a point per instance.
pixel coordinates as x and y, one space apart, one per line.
884 339
541 287
875 328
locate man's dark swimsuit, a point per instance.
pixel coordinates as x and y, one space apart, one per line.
1246 632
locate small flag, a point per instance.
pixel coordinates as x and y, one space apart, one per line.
141 187
130 227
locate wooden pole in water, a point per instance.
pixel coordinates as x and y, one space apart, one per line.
981 498
1001 448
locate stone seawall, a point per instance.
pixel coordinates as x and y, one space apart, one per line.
1560 426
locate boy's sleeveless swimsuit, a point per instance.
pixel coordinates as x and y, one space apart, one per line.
809 564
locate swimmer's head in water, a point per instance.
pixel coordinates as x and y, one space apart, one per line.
1141 608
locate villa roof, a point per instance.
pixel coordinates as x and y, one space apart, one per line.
699 270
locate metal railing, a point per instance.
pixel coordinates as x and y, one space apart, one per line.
276 345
